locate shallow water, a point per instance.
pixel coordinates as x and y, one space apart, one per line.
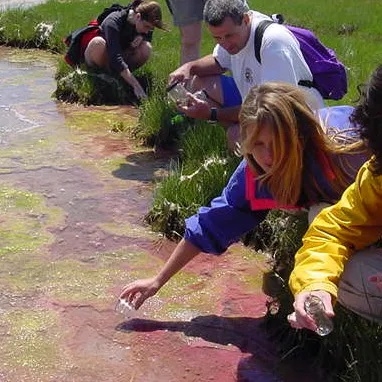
6 4
25 94
72 200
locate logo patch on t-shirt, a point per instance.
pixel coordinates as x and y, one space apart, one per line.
248 75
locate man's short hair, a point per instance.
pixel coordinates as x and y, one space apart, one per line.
215 11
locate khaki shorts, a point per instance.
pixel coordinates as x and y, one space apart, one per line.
360 286
186 12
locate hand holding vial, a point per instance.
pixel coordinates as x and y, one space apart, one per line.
314 311
126 309
315 308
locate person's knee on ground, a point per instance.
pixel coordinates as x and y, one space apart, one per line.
139 56
191 36
360 286
212 86
96 53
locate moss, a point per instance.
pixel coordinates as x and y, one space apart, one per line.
25 219
105 118
23 274
31 155
90 280
31 341
186 295
125 229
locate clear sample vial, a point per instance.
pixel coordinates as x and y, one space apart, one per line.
201 94
177 93
126 309
315 308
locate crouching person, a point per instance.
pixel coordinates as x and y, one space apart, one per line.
124 41
338 261
290 161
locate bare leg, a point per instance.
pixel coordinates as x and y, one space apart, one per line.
212 86
96 53
137 57
191 36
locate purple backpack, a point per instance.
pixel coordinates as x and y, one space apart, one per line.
329 74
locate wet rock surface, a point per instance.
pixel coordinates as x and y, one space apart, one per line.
72 198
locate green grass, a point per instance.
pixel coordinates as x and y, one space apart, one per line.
200 174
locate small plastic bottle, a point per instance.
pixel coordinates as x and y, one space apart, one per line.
201 94
177 93
125 308
315 308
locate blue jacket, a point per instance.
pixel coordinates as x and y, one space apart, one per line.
213 229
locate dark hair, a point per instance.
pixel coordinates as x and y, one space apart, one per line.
215 11
368 117
150 11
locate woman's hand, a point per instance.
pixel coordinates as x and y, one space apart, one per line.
137 292
299 318
136 42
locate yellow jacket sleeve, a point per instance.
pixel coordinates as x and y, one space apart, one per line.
351 224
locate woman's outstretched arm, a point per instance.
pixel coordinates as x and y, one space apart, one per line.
138 291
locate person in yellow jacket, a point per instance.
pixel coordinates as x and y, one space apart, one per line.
338 261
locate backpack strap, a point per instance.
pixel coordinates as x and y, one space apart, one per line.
259 32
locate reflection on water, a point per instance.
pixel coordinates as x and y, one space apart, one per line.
25 94
5 4
12 121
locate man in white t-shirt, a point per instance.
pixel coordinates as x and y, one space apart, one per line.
233 28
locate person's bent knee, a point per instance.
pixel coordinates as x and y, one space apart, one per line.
145 49
211 85
96 53
139 56
360 286
191 34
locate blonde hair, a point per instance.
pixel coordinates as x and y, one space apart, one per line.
297 134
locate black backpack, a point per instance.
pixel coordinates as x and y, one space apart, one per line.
114 7
74 55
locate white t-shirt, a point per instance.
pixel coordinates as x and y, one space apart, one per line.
281 60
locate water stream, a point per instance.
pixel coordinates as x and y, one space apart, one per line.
6 4
25 93
72 200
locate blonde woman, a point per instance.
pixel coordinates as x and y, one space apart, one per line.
290 162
